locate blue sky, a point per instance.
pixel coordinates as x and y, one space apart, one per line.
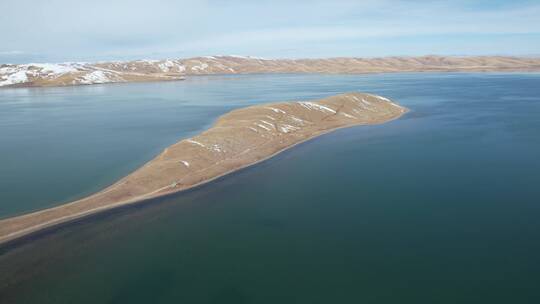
71 30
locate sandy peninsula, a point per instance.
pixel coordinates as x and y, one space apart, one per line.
238 139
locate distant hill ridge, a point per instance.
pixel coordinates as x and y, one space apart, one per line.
79 73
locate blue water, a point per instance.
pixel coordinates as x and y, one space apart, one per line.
440 206
60 144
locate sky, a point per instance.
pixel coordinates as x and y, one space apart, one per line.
97 30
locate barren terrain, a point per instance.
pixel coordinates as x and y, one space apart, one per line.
65 74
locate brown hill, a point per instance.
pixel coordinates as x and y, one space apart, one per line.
159 70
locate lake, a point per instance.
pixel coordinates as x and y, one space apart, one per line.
440 206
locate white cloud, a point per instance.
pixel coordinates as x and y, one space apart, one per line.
11 53
260 28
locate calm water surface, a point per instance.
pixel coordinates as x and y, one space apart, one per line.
441 206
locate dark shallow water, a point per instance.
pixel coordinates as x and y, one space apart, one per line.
440 206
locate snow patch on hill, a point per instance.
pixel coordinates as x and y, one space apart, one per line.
14 78
22 73
99 76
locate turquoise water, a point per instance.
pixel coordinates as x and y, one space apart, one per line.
440 206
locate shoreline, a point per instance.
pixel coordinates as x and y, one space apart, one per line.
186 77
73 73
5 240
